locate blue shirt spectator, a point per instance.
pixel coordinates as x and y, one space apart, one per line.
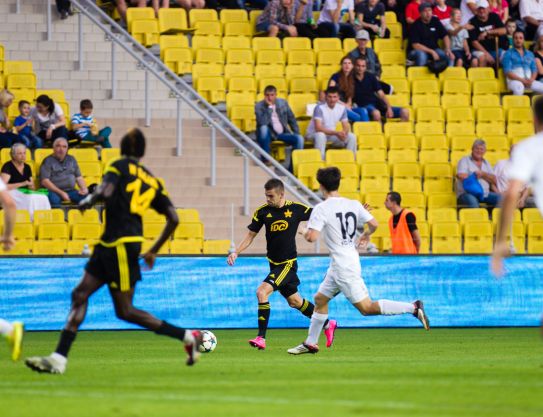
520 68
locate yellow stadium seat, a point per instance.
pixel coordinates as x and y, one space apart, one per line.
253 18
332 58
18 81
301 57
216 247
437 171
240 56
414 200
208 56
278 82
398 128
212 89
403 155
49 247
496 213
237 99
270 57
373 169
197 15
376 200
392 58
446 238
374 185
400 100
231 70
420 73
266 43
324 73
392 44
400 85
364 128
21 216
18 67
215 70
146 31
304 85
456 100
407 170
148 243
425 100
453 73
172 21
58 96
76 216
348 186
307 172
381 215
242 85
138 13
462 143
535 237
152 230
425 86
478 237
371 155
48 216
519 131
489 115
327 44
23 231
244 29
235 42
244 118
403 142
519 115
76 247
188 215
429 114
485 100
531 215
476 74
393 72
90 169
473 215
189 231
437 185
457 86
510 101
299 71
372 141
186 247
496 142
301 156
339 155
396 30
22 247
296 44
228 15
108 154
406 185
266 71
86 231
53 231
179 60
433 156
348 45
349 170
485 87
298 104
441 200
433 142
206 42
441 215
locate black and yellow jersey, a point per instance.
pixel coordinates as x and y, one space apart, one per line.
136 190
281 228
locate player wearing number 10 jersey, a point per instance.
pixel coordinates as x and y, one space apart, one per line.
128 189
338 219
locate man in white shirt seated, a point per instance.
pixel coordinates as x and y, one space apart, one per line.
322 127
531 12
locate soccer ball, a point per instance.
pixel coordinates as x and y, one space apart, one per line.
209 342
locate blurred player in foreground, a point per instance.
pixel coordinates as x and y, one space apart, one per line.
339 219
13 332
128 190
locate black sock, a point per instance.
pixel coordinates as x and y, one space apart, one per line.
67 337
168 329
307 309
263 318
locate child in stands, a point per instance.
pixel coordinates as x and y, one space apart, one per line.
85 126
23 126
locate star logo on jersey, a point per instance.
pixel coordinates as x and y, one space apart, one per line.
269 215
272 275
288 214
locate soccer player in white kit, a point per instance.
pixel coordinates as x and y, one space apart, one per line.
12 331
338 219
526 169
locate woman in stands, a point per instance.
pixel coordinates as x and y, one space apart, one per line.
538 53
344 81
7 138
17 175
49 119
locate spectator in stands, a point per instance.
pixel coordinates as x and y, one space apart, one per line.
480 168
49 119
459 40
362 51
487 26
275 120
424 35
343 80
23 125
442 11
371 17
501 8
510 29
468 9
520 68
59 173
64 8
538 54
412 12
369 96
326 116
305 24
331 17
17 175
501 171
7 138
278 16
86 127
531 12
404 233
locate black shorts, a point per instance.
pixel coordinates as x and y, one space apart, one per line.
283 278
118 266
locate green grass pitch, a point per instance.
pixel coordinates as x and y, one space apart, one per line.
377 372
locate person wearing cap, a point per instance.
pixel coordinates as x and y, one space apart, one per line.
520 68
363 51
371 16
486 26
59 173
424 35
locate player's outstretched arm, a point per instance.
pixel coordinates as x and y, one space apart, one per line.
365 237
245 243
501 249
102 192
311 235
172 220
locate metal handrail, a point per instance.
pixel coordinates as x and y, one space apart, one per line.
184 92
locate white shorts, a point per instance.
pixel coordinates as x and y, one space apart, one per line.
351 285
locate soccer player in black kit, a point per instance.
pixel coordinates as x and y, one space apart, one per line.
280 218
128 189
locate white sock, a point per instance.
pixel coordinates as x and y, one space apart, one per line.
317 322
390 308
59 358
188 338
5 327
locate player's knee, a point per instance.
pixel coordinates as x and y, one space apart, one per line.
125 313
78 297
320 300
294 303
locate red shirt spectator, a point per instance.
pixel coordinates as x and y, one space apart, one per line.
412 12
442 11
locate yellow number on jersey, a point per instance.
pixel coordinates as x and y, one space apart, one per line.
140 202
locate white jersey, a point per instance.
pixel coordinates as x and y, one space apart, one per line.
2 185
338 219
527 166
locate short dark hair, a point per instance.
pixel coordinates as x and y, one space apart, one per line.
329 178
22 103
46 102
133 143
274 184
332 90
270 89
85 104
538 109
361 58
395 197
